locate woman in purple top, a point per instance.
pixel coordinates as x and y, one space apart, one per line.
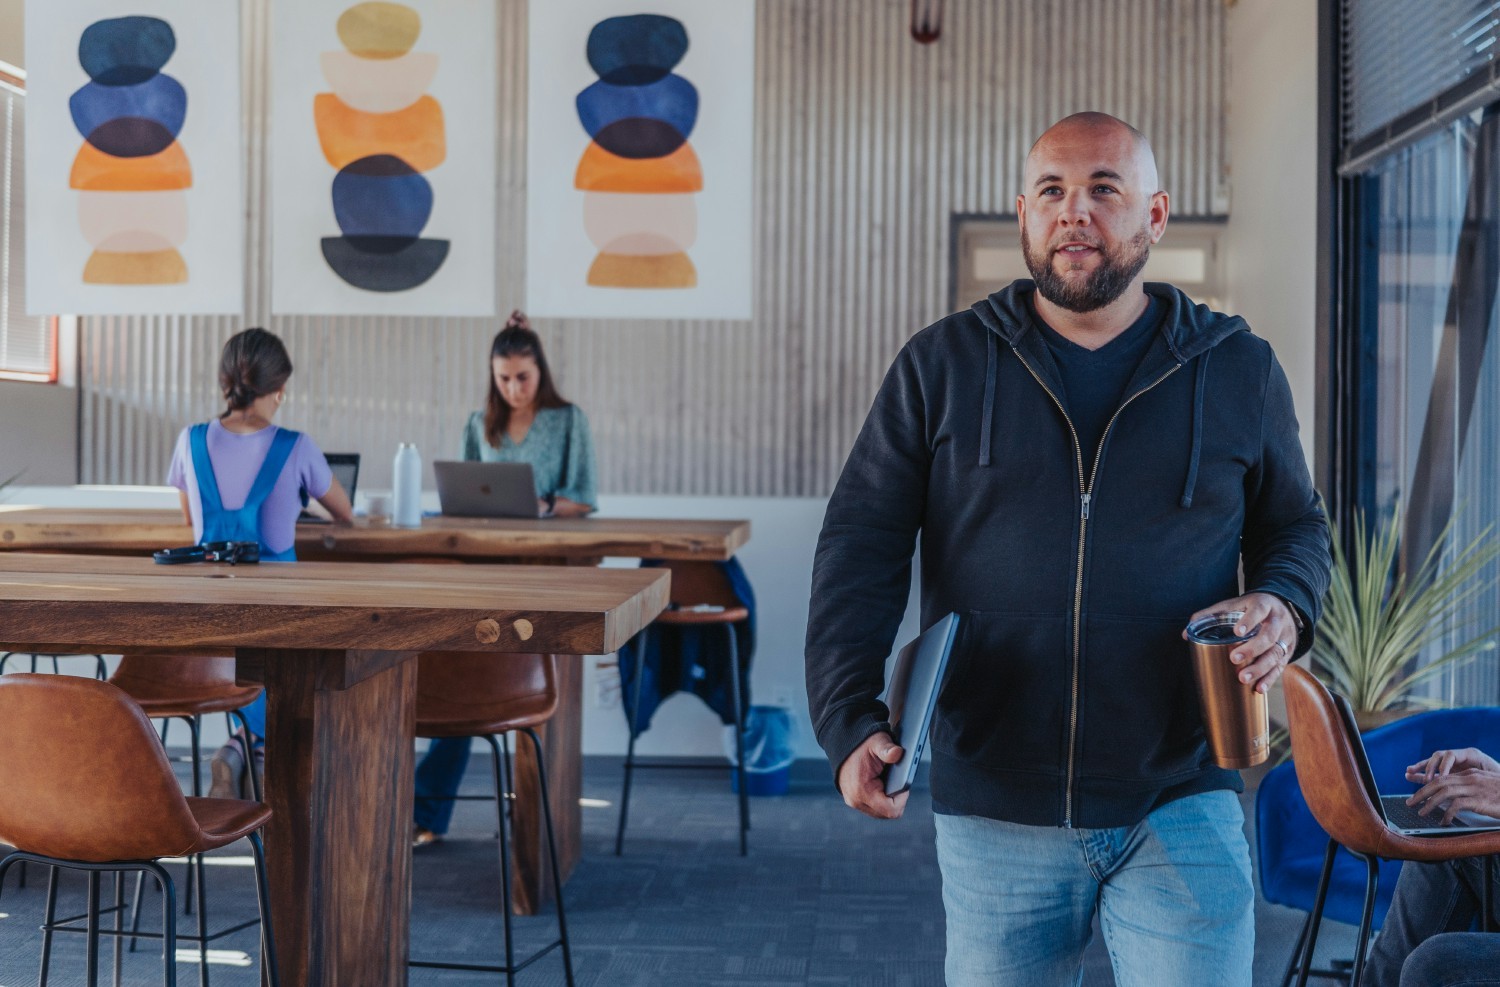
243 478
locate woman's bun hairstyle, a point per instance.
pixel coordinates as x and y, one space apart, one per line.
254 363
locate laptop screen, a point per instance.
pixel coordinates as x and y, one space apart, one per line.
345 466
1357 746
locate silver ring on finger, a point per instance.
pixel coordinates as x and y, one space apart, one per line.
1285 651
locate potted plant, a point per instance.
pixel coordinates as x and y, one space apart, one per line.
1379 618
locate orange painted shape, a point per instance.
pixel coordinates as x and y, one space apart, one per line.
414 134
601 171
152 267
95 171
643 271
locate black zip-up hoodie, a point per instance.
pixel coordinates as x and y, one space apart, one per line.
1069 698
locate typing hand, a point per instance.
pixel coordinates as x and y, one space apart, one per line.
861 781
1447 762
1472 790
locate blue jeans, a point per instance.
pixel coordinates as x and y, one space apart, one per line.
1173 895
1431 900
439 774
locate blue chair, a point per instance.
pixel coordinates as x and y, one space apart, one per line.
1291 844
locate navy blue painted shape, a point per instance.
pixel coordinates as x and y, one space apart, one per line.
130 137
125 51
400 270
160 98
381 196
637 49
672 100
636 137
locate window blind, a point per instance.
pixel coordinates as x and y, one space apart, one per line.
27 342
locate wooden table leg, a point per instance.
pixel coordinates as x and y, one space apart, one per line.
339 765
562 745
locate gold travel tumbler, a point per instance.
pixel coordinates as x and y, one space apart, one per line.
1234 714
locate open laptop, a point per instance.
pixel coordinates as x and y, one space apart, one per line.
345 467
1399 816
471 489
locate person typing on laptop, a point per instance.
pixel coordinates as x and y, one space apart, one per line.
524 420
1425 941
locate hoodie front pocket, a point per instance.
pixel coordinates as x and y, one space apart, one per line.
1004 702
1140 718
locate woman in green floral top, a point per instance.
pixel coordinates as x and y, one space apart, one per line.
524 420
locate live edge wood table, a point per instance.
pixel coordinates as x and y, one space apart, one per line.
553 541
334 644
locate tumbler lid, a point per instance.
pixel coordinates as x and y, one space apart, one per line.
1218 628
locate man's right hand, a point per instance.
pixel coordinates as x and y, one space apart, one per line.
1448 762
861 781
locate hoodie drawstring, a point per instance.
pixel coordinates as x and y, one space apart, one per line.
989 399
1192 474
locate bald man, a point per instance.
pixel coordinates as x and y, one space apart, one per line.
1091 460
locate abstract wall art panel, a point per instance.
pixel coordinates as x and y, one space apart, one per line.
383 157
640 138
134 157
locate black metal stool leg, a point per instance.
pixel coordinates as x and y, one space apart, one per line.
119 911
263 903
193 724
135 908
168 923
101 670
502 788
1372 880
635 714
557 886
1293 961
51 913
231 716
92 962
1317 913
739 738
196 863
1486 895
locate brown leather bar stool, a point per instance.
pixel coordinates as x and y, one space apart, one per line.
477 695
101 672
694 585
1335 792
68 801
187 689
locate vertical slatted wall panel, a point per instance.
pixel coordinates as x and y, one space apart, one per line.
867 143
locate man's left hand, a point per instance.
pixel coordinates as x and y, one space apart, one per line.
1474 789
1265 655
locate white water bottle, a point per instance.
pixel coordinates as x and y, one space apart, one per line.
407 481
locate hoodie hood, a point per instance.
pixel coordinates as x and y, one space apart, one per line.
1188 329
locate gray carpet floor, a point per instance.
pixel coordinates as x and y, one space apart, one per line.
808 906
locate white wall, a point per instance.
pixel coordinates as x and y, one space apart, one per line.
38 432
1270 247
11 33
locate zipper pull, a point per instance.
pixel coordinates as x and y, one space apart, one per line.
1086 498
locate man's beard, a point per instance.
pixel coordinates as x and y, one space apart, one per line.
1107 283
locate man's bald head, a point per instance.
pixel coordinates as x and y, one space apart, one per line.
1101 131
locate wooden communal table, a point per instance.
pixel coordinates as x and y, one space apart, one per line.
551 541
334 643
585 541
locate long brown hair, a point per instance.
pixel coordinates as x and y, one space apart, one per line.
516 340
254 363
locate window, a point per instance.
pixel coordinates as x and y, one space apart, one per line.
28 343
987 257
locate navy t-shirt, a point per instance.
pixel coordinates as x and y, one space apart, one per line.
1094 381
